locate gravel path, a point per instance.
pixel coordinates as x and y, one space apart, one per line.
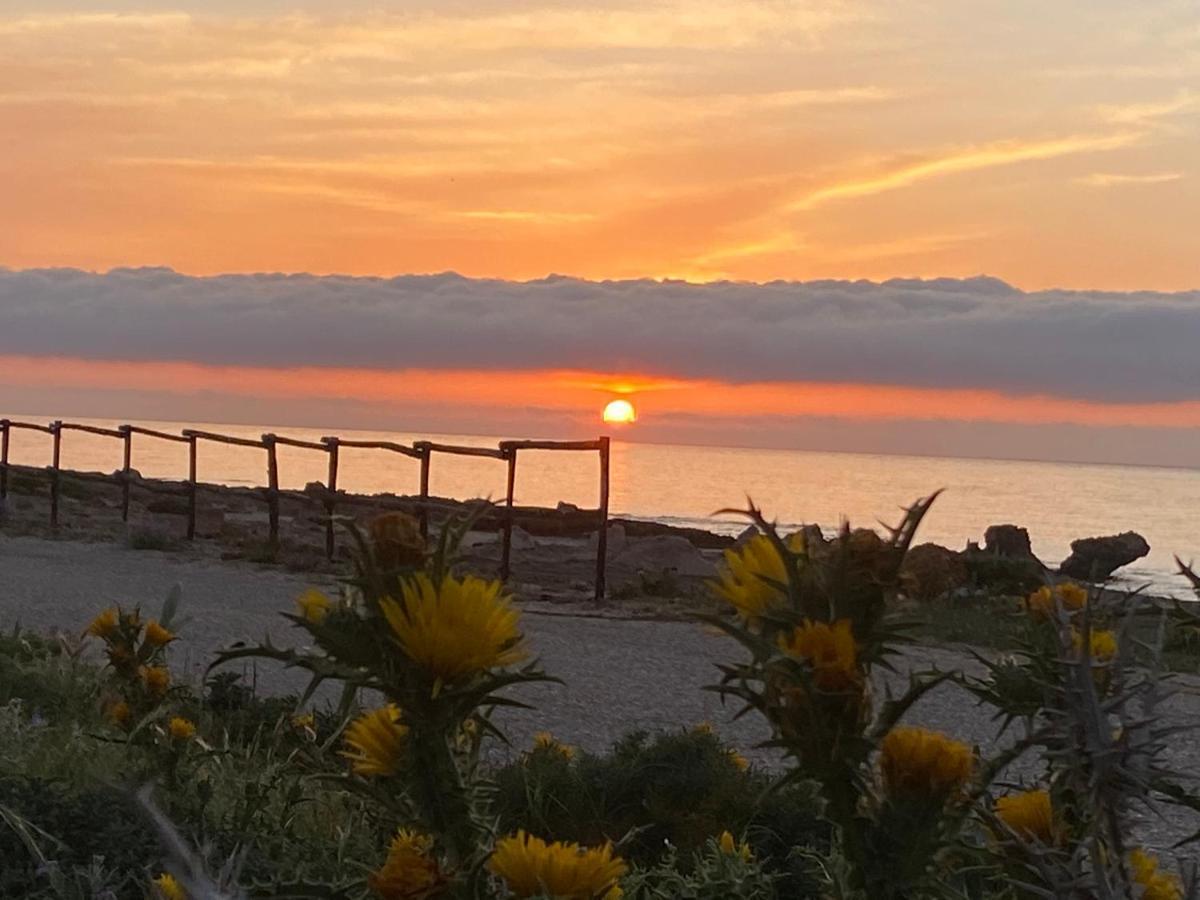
619 674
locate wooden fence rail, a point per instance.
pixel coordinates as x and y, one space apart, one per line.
422 451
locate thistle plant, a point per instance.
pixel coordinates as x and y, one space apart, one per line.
1089 713
137 698
816 621
439 649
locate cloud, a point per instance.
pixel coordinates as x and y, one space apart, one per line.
1143 113
1116 179
973 333
971 159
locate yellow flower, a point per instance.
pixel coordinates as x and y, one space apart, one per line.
754 578
545 741
167 888
397 539
410 870
306 720
156 679
703 728
314 606
1101 644
1155 885
120 713
181 729
923 764
1029 814
532 868
738 761
730 847
829 649
1043 603
376 742
457 629
156 635
105 624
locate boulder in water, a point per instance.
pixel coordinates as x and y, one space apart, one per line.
1095 559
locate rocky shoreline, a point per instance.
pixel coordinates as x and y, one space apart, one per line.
553 550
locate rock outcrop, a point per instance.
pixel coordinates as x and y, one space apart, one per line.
931 571
1095 559
664 553
1008 541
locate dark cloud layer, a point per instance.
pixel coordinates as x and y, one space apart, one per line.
978 332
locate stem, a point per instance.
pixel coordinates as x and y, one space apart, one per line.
442 798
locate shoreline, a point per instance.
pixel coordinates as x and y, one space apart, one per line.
553 551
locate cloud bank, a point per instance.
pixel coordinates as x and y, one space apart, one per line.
1138 347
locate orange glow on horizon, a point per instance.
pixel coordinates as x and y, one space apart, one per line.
576 394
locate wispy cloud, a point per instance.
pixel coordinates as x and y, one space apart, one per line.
58 22
1117 179
967 160
1150 111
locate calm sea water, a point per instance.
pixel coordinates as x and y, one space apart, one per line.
1057 502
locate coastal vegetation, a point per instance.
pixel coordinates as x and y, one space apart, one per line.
119 781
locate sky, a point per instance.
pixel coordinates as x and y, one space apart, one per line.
766 222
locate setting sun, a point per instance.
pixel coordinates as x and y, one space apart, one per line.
620 412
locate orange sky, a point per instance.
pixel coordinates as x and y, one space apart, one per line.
1051 145
757 140
580 396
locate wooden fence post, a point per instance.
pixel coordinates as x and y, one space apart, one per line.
191 527
602 535
56 433
506 553
272 489
127 434
331 487
4 430
426 454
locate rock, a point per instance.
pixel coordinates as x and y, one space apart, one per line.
814 538
1008 541
315 487
746 536
209 522
666 553
168 506
931 571
522 539
565 507
1096 558
1006 576
616 539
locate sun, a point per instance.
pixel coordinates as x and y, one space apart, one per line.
620 412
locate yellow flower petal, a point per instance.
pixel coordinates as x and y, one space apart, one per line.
410 870
921 764
375 742
531 867
1029 814
314 606
456 629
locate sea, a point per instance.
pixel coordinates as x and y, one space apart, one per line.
688 485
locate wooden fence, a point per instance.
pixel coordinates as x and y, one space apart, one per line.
423 451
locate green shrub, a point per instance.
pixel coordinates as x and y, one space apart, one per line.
678 789
99 822
150 539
